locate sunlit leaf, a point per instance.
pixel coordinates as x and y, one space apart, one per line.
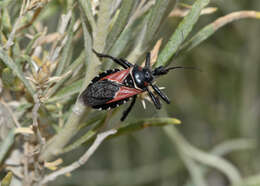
182 31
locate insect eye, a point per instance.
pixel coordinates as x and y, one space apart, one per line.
148 76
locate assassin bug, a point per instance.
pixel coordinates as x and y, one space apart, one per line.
115 87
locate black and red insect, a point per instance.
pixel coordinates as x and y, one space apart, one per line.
115 87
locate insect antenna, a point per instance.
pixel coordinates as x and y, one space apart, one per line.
161 70
181 67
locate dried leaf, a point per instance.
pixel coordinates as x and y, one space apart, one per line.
23 130
179 12
54 164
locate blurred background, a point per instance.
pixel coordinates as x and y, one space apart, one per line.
218 107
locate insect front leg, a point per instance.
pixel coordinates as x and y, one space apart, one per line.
161 94
127 111
124 63
155 100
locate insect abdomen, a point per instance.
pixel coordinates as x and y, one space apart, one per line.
99 93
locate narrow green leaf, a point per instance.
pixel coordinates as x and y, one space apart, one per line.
79 60
138 49
86 6
211 28
88 53
202 35
66 50
28 59
6 145
92 120
144 123
100 34
142 30
89 136
182 31
156 16
29 48
71 67
130 128
16 69
125 38
128 35
120 23
86 137
67 91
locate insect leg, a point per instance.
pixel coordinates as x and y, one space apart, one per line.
155 100
161 94
147 60
126 112
125 64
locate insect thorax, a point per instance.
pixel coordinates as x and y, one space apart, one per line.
129 82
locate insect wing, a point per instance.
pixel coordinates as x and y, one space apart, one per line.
117 76
125 92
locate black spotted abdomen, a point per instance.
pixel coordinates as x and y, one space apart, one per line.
99 93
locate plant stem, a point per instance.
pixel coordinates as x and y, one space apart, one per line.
55 145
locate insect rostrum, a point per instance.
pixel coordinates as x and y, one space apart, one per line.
115 87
